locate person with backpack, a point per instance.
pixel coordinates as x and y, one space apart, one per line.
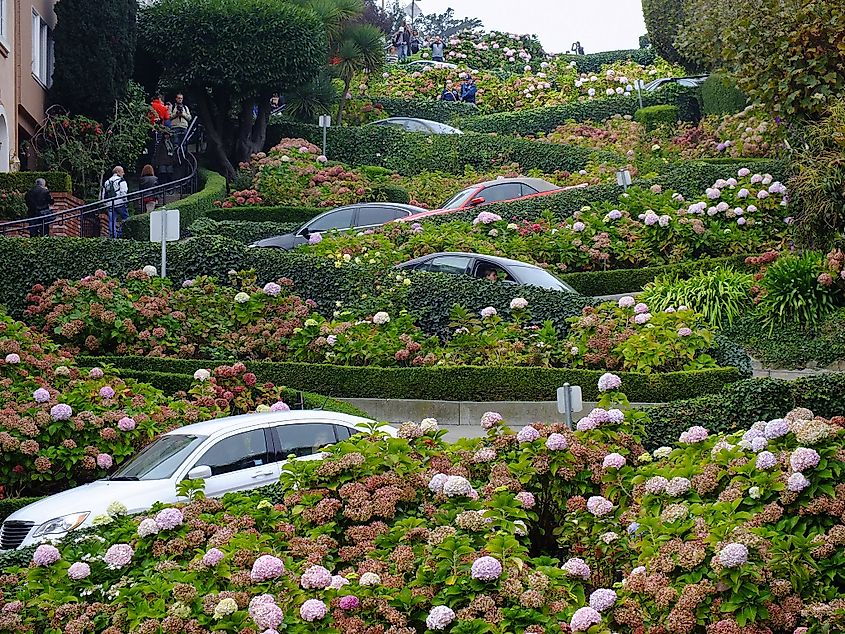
115 190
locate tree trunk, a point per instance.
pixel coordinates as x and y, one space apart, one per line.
252 133
215 131
347 82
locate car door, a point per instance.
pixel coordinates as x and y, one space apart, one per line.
374 216
305 441
497 193
453 264
340 219
239 462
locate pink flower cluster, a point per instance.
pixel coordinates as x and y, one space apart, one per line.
316 578
694 434
267 567
486 568
264 611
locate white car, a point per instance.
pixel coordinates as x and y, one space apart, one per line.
231 454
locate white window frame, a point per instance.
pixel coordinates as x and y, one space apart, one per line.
42 62
4 24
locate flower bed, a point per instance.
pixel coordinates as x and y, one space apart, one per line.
743 214
580 531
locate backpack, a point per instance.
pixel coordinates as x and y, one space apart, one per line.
111 188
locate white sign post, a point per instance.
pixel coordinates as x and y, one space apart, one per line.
164 228
639 84
325 123
623 178
568 401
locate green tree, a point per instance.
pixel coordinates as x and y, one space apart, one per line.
446 24
664 19
94 45
230 56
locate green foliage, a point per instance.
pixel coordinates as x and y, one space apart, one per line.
412 153
242 231
793 292
527 122
760 50
94 44
818 179
594 62
652 117
463 383
720 95
663 21
258 47
391 194
279 214
212 188
12 205
442 111
24 181
719 295
10 505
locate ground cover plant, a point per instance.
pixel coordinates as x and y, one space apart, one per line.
739 215
581 531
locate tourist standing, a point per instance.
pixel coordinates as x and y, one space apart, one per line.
148 181
165 158
415 42
468 90
159 112
437 49
115 190
38 201
180 117
449 93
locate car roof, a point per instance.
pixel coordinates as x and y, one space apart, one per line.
537 183
429 121
495 259
406 207
230 423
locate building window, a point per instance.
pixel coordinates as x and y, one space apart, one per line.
3 22
42 50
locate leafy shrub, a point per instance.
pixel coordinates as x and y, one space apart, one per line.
246 232
23 181
719 295
720 96
442 111
663 20
751 132
278 214
391 194
212 188
12 205
793 290
653 117
595 62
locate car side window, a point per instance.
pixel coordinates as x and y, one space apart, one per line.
343 432
527 190
415 126
241 451
305 439
370 216
340 219
454 264
505 191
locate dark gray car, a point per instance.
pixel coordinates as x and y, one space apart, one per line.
487 266
360 216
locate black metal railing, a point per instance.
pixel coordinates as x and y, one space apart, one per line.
92 215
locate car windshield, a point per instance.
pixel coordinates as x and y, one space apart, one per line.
458 199
160 459
534 276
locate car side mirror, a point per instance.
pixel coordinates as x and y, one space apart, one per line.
200 472
478 200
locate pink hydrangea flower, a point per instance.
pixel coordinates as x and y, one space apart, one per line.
694 434
486 568
733 555
804 458
213 557
440 617
626 302
96 373
126 424
79 570
797 482
614 461
12 358
316 578
527 434
45 555
349 602
609 382
118 556
684 332
106 392
312 610
272 289
264 611
279 406
656 485
41 395
584 619
556 442
169 518
599 506
267 567
602 599
486 218
577 567
61 412
488 312
315 238
104 461
526 498
765 460
490 420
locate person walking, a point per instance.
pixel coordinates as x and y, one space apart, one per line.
115 190
180 117
437 49
404 43
165 158
148 181
468 90
38 201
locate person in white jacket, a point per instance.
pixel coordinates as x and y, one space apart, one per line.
115 190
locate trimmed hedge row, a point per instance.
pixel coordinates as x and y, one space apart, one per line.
741 404
527 122
280 213
442 111
242 231
593 62
24 181
466 383
412 153
171 382
720 96
212 187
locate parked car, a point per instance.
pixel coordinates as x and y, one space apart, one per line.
237 453
359 216
410 124
486 266
500 190
687 82
422 64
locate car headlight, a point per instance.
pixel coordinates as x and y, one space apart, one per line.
63 524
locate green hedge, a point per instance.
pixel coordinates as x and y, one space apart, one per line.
24 181
212 187
593 62
171 382
720 96
412 153
442 111
242 231
528 122
10 505
618 281
467 383
298 215
654 116
740 405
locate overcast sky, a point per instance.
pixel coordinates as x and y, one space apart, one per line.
600 25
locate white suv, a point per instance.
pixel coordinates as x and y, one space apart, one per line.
231 454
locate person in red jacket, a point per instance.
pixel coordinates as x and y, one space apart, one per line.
159 112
